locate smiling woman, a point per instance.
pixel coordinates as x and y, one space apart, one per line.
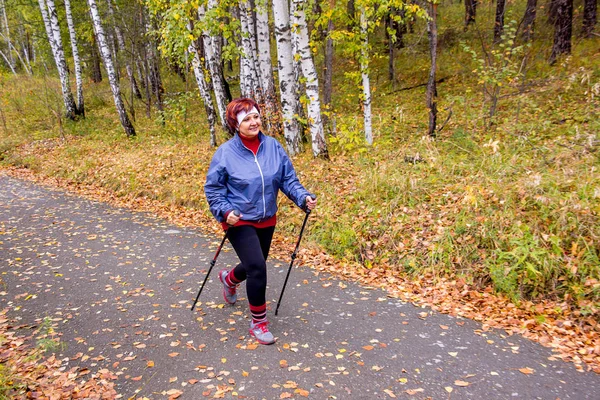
245 175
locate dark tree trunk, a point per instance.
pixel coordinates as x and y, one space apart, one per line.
391 61
552 11
590 10
529 20
95 70
563 29
351 10
470 12
499 24
399 28
431 84
328 78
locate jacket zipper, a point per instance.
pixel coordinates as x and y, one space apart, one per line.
262 177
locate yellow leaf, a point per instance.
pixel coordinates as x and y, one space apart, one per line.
150 364
461 383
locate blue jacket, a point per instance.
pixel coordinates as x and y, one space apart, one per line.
239 180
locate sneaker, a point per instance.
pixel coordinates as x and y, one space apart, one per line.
229 292
261 333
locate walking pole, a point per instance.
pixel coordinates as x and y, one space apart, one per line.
212 264
293 258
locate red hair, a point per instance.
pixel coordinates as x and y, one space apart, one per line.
235 107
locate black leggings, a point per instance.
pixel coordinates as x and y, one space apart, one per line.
252 248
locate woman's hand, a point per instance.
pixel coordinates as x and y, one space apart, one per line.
233 217
310 203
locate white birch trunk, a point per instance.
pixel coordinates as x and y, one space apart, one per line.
110 69
204 90
76 60
300 36
264 50
265 66
250 85
10 59
214 66
53 31
8 62
123 50
288 86
364 71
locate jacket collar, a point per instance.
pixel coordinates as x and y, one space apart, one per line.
238 140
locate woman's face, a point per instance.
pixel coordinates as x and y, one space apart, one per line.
250 126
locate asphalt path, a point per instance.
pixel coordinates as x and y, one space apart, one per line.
118 285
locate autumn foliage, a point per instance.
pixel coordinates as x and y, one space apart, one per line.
25 372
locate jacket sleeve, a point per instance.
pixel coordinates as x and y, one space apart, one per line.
215 187
290 185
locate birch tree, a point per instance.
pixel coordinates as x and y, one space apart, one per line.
364 72
204 90
211 52
8 62
123 50
50 18
6 36
302 46
265 67
249 81
76 60
285 67
110 69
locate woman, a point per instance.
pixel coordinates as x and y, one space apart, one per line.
243 180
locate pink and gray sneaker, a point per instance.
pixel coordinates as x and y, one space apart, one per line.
229 292
261 332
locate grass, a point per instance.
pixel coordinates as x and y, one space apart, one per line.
514 205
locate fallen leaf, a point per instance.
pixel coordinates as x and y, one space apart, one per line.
461 383
527 370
